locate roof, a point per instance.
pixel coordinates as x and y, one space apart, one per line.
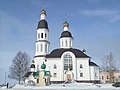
43 66
66 34
42 24
37 73
93 64
28 73
47 73
57 53
32 66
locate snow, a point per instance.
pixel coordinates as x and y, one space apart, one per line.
69 86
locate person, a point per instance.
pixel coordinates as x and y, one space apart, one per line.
7 85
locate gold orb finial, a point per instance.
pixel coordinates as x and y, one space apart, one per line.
33 61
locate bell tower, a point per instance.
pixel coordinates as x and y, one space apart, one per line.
42 43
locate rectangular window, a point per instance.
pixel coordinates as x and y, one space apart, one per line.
55 75
38 80
81 74
102 77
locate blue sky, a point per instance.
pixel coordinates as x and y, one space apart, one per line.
94 24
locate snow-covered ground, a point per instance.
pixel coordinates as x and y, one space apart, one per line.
72 86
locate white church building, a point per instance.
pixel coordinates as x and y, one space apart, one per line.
66 63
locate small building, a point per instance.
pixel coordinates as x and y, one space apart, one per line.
40 78
105 76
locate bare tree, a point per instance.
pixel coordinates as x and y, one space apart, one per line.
109 66
19 66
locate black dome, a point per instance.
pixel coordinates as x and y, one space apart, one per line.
42 24
66 34
32 66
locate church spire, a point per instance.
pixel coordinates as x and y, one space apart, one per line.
65 24
43 13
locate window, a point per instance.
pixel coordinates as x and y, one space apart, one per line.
41 47
107 77
102 77
81 66
38 35
62 43
66 43
41 35
37 48
37 80
95 74
46 48
45 35
55 66
70 43
55 75
81 74
68 62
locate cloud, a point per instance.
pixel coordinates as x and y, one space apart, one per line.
110 15
116 18
99 12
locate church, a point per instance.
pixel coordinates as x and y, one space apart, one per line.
65 63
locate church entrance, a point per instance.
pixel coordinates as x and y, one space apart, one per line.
69 77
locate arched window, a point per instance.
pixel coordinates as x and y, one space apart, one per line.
38 35
55 66
37 48
62 43
68 62
45 35
66 43
46 48
41 35
81 66
41 47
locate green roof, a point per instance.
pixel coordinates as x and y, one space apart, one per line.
46 73
37 73
43 66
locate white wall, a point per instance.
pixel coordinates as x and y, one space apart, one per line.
84 70
38 62
94 71
59 70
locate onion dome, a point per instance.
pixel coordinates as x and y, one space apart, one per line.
42 24
43 66
65 24
33 61
66 34
84 51
32 66
43 12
